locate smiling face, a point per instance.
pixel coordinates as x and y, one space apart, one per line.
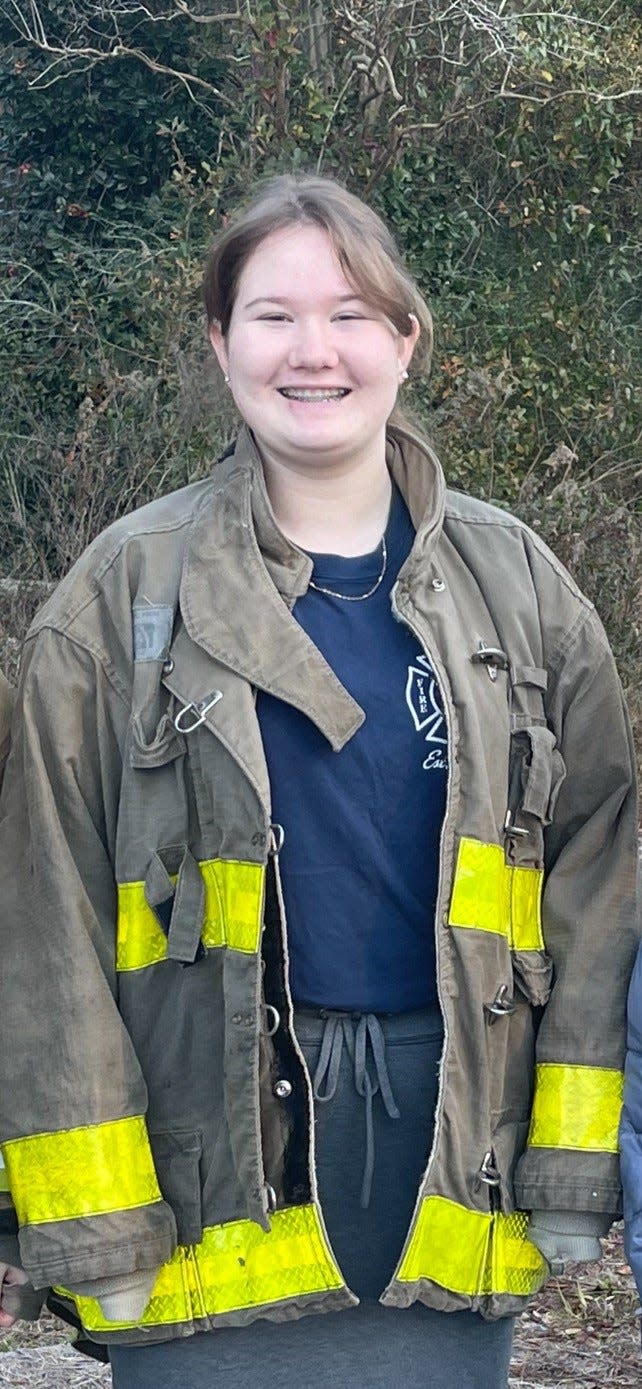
313 368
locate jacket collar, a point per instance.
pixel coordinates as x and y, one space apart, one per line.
240 566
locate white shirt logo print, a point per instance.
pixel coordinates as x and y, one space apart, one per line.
422 701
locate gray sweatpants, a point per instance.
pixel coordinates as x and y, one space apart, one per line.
370 1346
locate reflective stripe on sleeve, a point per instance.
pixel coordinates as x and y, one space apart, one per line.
576 1107
471 1252
78 1172
492 895
236 1266
232 918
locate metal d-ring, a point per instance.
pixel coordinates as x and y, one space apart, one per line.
273 1013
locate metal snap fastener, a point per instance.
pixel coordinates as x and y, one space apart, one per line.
168 666
438 585
282 1089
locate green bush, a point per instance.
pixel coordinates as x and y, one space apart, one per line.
498 141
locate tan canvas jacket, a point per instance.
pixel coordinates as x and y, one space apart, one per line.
145 1002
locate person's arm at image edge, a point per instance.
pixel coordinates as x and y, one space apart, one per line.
74 1074
568 1176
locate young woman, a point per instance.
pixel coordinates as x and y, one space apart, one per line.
311 816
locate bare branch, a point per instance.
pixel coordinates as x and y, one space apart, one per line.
69 58
331 119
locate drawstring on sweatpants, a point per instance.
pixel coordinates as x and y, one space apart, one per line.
353 1030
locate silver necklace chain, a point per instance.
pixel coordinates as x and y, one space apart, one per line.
357 597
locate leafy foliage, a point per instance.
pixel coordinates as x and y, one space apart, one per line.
498 139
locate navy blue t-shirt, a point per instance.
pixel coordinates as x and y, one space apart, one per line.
359 862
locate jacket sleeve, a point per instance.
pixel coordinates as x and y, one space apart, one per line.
590 931
72 1099
631 1129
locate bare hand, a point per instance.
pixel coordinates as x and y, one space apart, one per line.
10 1277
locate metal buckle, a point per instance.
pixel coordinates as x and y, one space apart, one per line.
200 707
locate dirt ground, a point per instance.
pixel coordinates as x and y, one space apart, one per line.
582 1332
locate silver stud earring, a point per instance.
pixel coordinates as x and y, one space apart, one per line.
226 379
404 376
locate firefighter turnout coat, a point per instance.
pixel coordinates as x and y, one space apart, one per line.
145 1016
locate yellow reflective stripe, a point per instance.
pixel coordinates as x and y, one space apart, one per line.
472 1253
237 889
576 1107
139 938
236 1265
526 908
490 894
76 1172
233 914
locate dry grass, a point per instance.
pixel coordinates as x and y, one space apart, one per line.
583 1331
51 1367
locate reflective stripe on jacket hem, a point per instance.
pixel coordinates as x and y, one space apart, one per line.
235 1266
472 1253
490 894
232 914
576 1107
81 1172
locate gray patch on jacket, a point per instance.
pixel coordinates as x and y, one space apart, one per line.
152 632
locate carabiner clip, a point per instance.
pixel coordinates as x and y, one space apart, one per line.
200 707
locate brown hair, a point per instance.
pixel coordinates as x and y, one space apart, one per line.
365 249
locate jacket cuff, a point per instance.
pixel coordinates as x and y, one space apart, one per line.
68 1252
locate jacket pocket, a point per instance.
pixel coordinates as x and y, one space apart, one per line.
164 745
536 774
177 1160
533 971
